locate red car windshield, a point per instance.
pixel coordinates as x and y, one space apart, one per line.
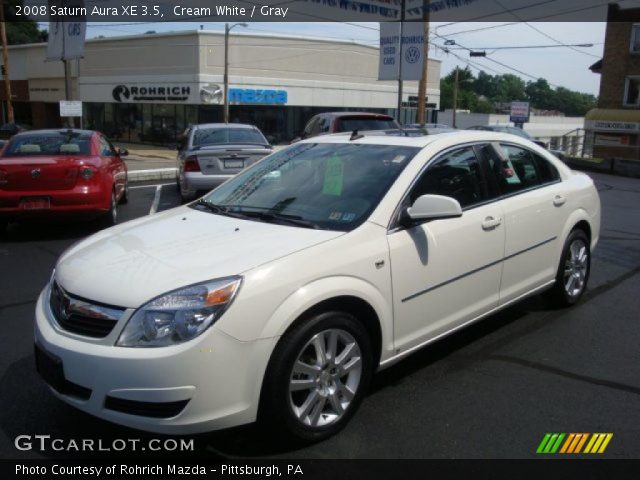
54 143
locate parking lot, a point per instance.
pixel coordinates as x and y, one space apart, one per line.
490 391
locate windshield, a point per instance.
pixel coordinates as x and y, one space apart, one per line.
214 136
349 124
54 143
327 186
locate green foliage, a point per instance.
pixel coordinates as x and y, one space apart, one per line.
480 94
21 32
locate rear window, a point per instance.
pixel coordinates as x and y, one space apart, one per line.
349 124
55 143
214 136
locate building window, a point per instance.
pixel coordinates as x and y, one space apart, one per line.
635 38
632 92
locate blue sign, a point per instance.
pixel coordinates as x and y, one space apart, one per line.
250 95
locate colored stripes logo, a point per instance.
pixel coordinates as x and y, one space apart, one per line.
574 443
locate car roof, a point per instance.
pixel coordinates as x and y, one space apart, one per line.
355 114
225 125
457 137
49 131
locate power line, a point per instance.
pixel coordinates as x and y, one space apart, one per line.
517 47
544 33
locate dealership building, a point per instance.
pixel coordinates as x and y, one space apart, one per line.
149 88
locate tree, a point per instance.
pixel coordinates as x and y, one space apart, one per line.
510 88
19 30
540 94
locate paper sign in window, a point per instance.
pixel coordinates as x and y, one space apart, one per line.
333 176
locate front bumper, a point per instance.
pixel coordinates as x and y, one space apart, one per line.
218 377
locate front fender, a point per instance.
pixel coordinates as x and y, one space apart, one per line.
327 288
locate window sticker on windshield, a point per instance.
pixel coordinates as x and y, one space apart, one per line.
348 217
399 159
333 176
335 215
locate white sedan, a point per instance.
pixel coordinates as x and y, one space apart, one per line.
279 294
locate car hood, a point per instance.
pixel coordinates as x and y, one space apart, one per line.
132 263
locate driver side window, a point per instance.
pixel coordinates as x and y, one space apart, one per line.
457 174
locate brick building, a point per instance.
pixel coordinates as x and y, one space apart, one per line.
614 127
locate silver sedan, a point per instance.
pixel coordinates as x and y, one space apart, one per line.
211 153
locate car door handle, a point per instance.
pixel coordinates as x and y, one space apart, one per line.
559 200
490 223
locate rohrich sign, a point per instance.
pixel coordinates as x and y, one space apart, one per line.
151 93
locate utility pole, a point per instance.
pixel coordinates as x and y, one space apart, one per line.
5 60
402 17
455 99
226 73
422 86
69 121
227 29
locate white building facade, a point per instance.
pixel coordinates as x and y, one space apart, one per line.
149 88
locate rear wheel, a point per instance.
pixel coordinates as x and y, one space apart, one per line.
573 271
110 218
124 199
317 376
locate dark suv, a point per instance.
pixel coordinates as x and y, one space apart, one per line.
335 122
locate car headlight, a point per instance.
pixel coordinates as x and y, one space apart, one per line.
180 315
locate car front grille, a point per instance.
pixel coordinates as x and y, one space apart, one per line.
82 317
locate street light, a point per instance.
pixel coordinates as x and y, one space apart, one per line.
227 29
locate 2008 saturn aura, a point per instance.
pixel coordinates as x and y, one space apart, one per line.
280 293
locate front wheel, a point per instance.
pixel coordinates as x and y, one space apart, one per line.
573 271
317 376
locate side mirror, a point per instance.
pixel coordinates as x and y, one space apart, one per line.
433 207
122 152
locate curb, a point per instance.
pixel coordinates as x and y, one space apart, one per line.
155 174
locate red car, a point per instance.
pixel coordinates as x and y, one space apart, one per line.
52 173
335 122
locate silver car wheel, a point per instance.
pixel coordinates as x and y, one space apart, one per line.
325 378
114 208
575 268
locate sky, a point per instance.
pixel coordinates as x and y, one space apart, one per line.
560 65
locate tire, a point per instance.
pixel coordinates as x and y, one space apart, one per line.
124 199
110 218
185 196
573 271
315 402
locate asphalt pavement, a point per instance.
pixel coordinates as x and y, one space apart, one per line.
489 391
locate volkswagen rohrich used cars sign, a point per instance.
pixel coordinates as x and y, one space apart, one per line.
393 52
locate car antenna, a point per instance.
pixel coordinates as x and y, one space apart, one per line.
355 135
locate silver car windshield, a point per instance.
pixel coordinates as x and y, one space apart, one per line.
314 185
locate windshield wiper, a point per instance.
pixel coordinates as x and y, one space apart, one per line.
217 209
283 218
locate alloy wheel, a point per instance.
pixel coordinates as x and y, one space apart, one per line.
575 268
325 378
